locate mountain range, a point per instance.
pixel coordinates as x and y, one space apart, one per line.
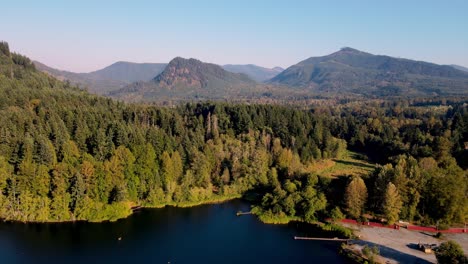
345 72
191 79
121 74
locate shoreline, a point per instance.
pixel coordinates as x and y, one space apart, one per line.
213 200
331 227
394 245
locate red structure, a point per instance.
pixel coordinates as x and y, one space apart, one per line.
409 227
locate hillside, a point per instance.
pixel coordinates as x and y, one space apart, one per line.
257 73
354 71
83 80
191 79
110 78
461 68
129 71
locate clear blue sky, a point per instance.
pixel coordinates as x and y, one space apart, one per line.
87 35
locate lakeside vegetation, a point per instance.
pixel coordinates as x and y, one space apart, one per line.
66 155
214 199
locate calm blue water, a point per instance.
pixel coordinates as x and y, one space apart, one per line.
204 234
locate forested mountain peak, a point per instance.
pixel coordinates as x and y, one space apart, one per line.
189 79
349 50
194 73
353 71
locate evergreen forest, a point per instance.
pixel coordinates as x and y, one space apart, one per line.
68 155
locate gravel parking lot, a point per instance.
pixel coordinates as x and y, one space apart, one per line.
400 246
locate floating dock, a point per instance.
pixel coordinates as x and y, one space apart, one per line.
136 208
243 213
322 238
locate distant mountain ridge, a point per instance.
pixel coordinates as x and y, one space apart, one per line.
353 71
257 73
122 73
112 77
129 71
458 67
345 72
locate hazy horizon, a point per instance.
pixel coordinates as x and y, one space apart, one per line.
87 36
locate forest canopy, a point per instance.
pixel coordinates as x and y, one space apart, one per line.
68 155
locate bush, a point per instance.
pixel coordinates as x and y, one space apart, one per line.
336 214
443 226
366 251
370 253
340 230
450 252
362 219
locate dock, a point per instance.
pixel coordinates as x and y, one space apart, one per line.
243 213
322 239
136 208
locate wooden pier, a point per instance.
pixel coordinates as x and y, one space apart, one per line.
243 213
322 239
136 208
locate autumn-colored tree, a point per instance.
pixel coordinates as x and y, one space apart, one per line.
392 204
355 197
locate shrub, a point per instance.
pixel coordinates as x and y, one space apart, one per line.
450 252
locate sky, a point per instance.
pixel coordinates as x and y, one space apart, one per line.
83 36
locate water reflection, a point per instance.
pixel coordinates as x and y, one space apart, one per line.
204 234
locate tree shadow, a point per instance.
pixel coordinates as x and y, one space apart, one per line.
396 255
358 156
413 246
427 234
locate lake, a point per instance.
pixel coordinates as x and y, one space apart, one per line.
202 234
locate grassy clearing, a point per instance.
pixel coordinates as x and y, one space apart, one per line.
351 164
